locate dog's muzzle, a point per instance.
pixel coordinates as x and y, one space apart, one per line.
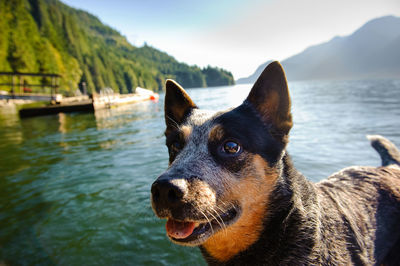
190 207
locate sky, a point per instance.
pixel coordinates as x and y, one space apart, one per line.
232 34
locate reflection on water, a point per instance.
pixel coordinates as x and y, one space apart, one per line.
74 188
117 117
9 123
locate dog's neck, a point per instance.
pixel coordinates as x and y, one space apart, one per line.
293 202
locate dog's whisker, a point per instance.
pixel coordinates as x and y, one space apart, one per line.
208 220
226 206
223 225
216 218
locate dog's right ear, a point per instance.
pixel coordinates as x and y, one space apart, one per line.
270 97
177 104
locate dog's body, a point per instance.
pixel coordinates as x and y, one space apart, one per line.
232 190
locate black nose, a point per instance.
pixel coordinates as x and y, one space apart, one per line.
168 193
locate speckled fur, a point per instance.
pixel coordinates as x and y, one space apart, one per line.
350 218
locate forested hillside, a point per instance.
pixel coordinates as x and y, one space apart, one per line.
48 36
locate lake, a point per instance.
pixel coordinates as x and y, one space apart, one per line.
74 188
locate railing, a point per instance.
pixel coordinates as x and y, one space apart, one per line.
18 82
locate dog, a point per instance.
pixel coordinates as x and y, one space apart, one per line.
232 190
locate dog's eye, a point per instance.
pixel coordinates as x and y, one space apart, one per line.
231 147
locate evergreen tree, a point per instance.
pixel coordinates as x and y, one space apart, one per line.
48 36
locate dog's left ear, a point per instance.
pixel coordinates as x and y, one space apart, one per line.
177 104
270 97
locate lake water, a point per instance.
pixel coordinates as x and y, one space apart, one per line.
74 188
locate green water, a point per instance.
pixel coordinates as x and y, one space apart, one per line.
74 188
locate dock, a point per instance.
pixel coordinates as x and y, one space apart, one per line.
32 103
83 106
86 104
79 103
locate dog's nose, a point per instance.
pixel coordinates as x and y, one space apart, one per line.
168 192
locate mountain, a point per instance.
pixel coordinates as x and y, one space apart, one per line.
50 37
372 51
253 77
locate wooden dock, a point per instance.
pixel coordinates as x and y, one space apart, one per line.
68 105
82 106
36 104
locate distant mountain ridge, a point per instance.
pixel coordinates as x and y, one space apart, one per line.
372 51
48 36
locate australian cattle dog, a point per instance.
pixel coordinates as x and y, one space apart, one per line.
232 190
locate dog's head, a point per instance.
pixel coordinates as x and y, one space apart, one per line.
223 165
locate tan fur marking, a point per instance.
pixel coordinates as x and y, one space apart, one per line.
252 192
271 111
270 107
216 133
186 131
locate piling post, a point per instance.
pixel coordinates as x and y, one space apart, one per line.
13 86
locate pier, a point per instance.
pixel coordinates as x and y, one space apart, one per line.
87 105
82 106
53 103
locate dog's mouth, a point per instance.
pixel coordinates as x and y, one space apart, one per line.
193 233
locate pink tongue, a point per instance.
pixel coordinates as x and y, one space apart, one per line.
178 229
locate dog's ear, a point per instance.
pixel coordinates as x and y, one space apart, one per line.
177 104
270 97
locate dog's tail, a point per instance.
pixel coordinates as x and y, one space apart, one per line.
386 149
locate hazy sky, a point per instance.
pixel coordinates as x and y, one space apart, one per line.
233 34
